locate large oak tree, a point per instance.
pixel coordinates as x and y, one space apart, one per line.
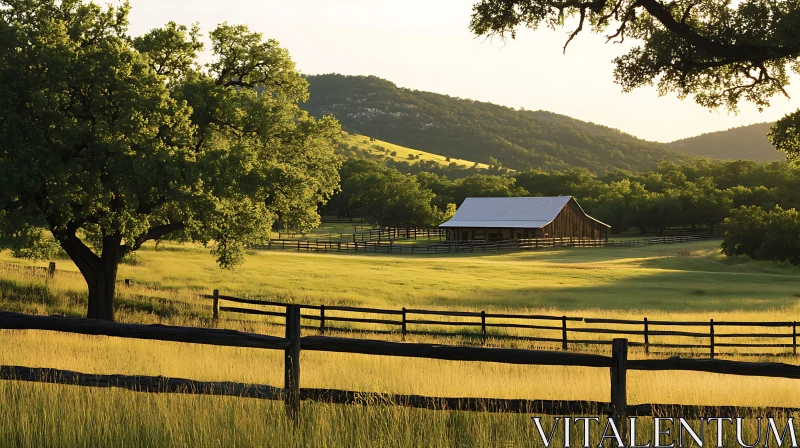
109 141
718 51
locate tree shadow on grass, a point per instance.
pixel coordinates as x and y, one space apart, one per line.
159 306
29 298
13 291
669 291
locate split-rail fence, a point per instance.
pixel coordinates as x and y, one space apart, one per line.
292 394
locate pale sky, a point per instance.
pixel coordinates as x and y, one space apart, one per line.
426 45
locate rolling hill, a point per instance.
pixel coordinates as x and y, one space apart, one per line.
478 131
746 143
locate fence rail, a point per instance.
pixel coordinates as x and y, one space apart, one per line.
292 394
563 330
388 245
372 235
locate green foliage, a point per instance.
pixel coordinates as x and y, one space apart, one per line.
763 235
33 244
384 196
785 135
388 198
116 140
478 131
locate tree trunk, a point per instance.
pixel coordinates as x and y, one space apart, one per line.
102 286
100 273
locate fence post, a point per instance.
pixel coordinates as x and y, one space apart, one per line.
322 319
563 332
216 304
711 337
404 323
291 379
127 283
51 269
646 338
619 367
483 326
794 338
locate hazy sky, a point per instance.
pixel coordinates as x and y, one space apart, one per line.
426 45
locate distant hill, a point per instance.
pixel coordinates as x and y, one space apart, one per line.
746 143
473 130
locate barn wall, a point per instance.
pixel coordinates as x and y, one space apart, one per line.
572 222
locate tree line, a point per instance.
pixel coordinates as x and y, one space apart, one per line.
700 194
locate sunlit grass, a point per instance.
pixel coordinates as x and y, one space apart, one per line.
657 282
402 152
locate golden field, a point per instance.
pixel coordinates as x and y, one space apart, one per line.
658 282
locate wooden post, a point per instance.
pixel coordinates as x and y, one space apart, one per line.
216 304
51 269
711 337
291 379
483 326
127 283
322 319
619 367
404 323
563 332
646 338
794 338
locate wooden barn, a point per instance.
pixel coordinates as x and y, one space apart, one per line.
504 219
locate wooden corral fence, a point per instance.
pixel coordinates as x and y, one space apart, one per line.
570 332
292 394
342 220
675 239
669 231
388 246
372 235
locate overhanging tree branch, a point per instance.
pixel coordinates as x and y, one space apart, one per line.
153 234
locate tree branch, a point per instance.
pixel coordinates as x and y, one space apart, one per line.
153 234
731 53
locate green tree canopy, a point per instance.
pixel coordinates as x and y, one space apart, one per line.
109 142
386 197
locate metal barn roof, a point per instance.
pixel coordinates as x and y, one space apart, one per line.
525 212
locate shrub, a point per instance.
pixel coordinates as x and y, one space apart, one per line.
744 231
773 235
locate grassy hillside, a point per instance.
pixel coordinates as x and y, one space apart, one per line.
473 130
657 281
400 153
745 143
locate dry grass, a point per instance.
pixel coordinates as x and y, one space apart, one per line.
599 283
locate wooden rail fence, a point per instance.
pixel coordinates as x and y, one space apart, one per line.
388 245
567 331
372 235
292 394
